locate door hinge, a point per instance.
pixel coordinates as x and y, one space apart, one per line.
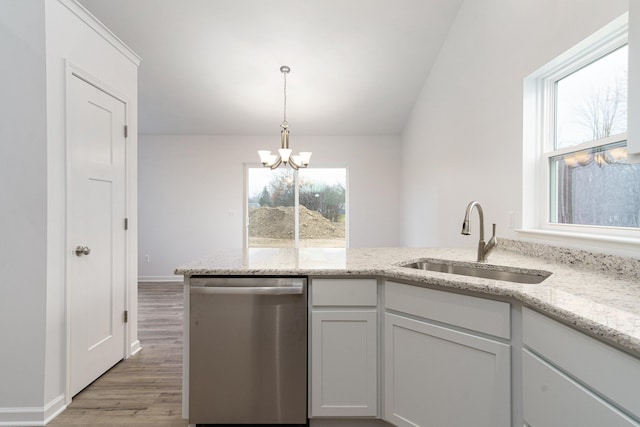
126 131
126 316
126 223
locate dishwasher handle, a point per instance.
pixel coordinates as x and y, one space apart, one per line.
248 290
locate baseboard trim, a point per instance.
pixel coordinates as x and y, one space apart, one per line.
135 347
54 408
32 416
160 278
345 422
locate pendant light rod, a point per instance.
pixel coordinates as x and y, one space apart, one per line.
285 70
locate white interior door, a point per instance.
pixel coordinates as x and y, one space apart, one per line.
96 212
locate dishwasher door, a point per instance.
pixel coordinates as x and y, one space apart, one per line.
248 351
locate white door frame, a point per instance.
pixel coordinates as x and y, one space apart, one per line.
72 71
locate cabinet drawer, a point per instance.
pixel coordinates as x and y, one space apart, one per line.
552 399
613 373
477 314
344 292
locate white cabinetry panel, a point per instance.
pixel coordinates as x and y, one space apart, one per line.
552 399
613 373
478 314
435 376
344 363
344 292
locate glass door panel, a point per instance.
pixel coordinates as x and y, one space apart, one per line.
304 208
271 208
322 210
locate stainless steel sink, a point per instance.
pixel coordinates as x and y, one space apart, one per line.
507 274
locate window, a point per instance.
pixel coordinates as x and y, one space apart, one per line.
577 176
590 181
304 208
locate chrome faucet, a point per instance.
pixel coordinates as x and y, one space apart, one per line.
483 249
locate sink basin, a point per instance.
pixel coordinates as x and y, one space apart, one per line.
508 274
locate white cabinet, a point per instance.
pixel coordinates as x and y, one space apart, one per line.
437 375
344 348
572 379
553 399
446 361
344 363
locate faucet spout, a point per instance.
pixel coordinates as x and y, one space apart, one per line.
466 229
483 248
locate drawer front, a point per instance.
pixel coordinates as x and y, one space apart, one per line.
344 292
611 372
477 314
552 399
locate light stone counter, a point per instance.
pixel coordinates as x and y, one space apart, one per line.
598 294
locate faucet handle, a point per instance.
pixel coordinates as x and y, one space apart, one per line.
491 245
493 241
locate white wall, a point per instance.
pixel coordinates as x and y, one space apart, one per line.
188 185
38 36
83 44
463 140
23 203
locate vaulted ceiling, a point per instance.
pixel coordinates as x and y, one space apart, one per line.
212 66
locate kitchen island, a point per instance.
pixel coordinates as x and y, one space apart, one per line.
593 294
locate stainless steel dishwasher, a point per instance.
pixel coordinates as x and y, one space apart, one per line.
248 351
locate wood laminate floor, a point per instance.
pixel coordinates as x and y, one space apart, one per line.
144 390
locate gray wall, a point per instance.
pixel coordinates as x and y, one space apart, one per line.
23 203
37 36
464 138
191 192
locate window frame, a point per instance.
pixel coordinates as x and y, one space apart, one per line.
539 135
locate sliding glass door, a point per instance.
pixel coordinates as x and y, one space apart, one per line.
304 208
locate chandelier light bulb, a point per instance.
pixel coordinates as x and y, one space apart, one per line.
264 156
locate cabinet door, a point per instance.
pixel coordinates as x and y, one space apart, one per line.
439 377
344 363
552 399
613 374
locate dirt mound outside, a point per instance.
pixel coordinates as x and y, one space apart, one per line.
278 223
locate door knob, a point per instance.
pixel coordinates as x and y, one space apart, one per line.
82 250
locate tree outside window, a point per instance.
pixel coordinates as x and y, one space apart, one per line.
591 181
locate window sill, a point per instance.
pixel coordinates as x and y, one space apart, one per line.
615 245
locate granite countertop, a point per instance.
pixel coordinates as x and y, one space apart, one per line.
599 294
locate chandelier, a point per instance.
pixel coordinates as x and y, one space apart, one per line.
284 155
